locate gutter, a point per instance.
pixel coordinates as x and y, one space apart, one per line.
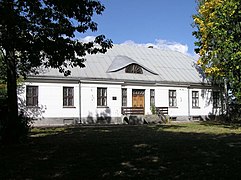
188 113
55 79
80 103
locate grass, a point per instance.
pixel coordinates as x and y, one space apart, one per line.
205 128
173 151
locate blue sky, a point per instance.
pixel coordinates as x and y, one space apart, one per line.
162 23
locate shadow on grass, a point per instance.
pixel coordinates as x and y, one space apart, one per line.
122 152
221 124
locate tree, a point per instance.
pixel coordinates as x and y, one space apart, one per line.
43 33
2 74
219 43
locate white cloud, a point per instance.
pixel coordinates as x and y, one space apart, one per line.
175 46
159 44
87 39
163 44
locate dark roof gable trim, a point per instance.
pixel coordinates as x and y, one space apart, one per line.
134 68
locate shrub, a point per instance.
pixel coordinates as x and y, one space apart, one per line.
235 112
21 129
23 123
153 109
3 108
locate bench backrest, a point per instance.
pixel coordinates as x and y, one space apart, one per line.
132 110
162 110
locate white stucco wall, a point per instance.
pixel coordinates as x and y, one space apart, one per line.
51 100
183 108
89 108
205 102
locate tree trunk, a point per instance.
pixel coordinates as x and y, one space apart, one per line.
226 99
11 132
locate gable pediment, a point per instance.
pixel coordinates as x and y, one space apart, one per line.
120 62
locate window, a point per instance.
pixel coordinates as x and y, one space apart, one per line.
172 98
152 97
31 95
101 96
195 99
134 68
216 99
68 96
124 97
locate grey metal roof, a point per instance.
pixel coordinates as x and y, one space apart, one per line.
161 66
121 62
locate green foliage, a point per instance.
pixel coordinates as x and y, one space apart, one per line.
235 110
23 123
3 72
153 109
42 34
23 127
219 42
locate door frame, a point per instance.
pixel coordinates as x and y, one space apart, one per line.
140 92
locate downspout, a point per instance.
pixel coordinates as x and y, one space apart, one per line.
188 111
80 102
226 101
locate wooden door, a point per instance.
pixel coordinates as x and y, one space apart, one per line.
138 98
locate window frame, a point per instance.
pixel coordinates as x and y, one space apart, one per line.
195 99
32 98
69 96
172 98
152 97
101 99
124 97
216 99
134 69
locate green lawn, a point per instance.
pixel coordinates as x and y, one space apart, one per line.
173 151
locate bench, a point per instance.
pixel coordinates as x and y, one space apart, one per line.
162 110
132 111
